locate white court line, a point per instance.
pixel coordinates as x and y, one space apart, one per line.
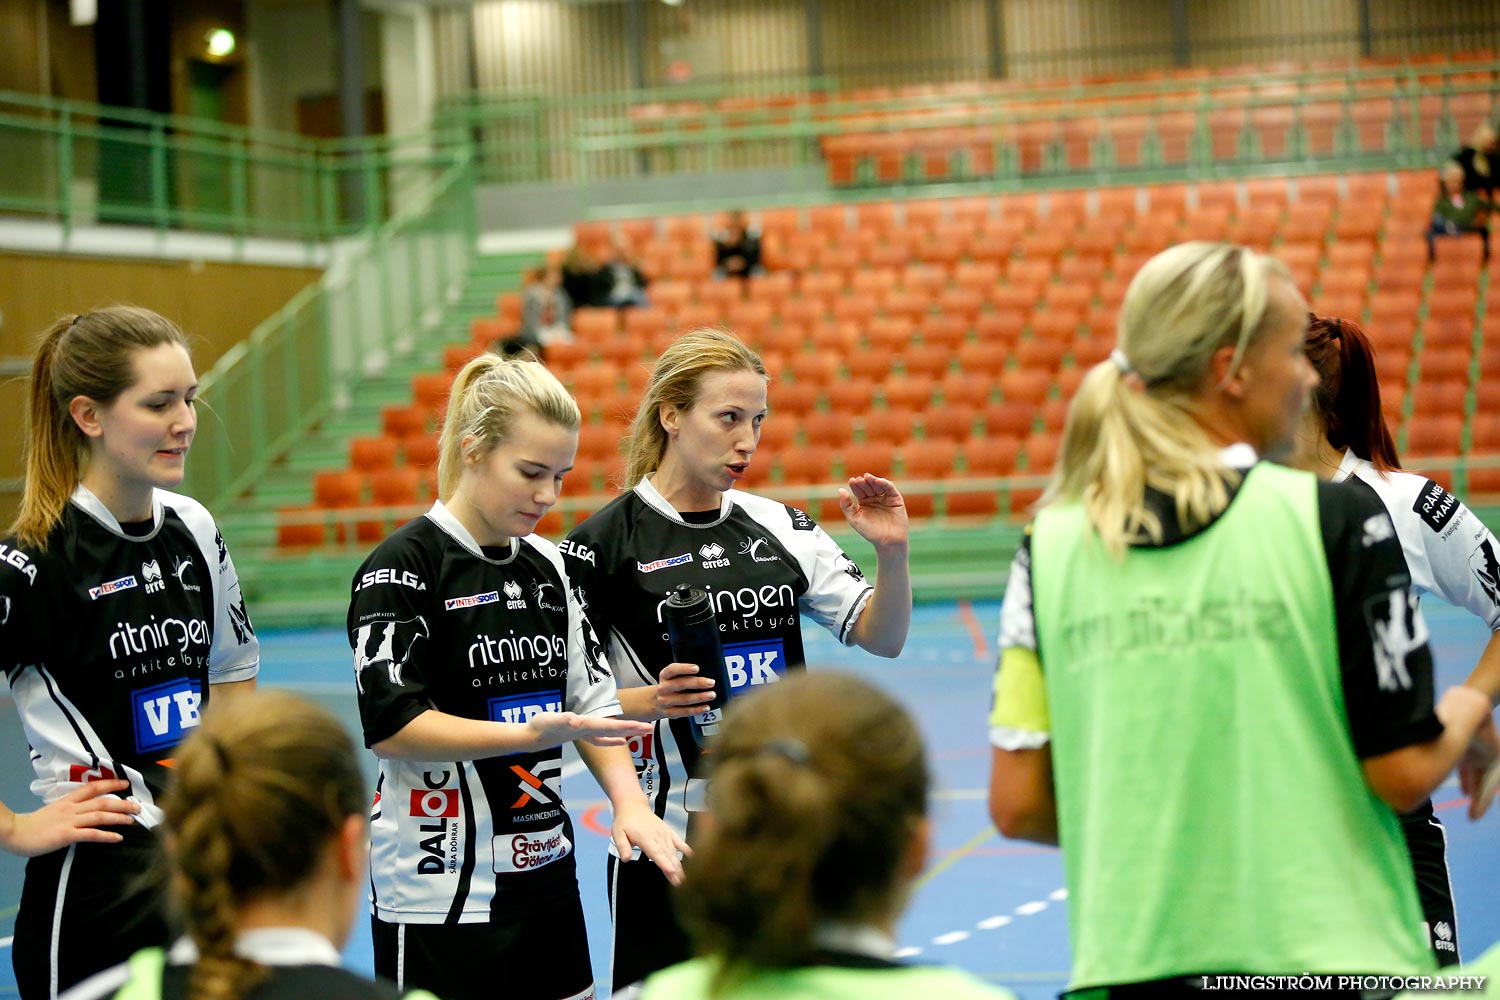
5 942
990 923
1027 909
952 937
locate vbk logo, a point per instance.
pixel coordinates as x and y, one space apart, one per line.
151 573
434 802
521 707
513 599
752 663
164 713
713 556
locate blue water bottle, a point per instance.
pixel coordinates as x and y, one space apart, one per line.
694 634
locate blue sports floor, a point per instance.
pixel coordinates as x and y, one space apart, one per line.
992 906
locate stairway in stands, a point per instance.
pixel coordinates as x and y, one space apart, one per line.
297 588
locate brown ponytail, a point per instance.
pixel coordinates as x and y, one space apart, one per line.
1347 399
819 783
90 354
257 792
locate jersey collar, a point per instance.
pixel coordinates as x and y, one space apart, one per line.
443 518
270 946
84 499
658 503
1347 466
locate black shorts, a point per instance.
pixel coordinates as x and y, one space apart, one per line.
542 954
647 934
86 908
1427 845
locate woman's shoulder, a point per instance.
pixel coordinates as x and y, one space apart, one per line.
691 980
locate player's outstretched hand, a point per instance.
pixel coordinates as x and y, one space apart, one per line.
74 818
874 508
636 825
1479 768
551 729
681 692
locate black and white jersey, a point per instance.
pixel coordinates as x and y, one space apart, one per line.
111 641
762 562
1449 551
438 623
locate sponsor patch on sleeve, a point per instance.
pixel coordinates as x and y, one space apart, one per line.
1435 505
1397 630
800 520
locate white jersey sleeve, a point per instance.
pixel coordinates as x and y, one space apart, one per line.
591 684
837 590
235 653
1449 551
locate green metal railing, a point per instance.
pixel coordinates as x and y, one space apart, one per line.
298 366
80 163
790 123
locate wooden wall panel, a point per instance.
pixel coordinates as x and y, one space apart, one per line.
869 43
217 305
727 40
1401 27
559 48
1260 32
1052 39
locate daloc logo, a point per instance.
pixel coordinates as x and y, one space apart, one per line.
164 714
521 707
752 663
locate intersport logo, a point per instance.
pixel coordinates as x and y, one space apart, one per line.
472 601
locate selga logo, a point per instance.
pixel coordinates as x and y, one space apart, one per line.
403 578
16 559
113 586
667 563
520 852
472 601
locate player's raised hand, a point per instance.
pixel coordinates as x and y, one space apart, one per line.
874 508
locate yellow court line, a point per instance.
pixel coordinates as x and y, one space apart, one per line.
973 844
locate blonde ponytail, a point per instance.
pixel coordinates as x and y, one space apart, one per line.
1131 425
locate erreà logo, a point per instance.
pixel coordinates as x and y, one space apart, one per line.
713 556
151 573
513 599
472 601
667 563
105 589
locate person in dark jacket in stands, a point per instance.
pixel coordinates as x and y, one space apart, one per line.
736 249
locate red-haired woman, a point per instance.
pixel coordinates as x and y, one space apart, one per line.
1448 550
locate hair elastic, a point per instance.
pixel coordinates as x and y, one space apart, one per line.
1121 361
788 748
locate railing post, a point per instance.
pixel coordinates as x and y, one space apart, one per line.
160 210
239 197
65 173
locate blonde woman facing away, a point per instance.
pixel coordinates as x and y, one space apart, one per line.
1215 688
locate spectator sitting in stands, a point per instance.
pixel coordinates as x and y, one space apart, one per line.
1458 211
545 309
1477 160
736 249
615 282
